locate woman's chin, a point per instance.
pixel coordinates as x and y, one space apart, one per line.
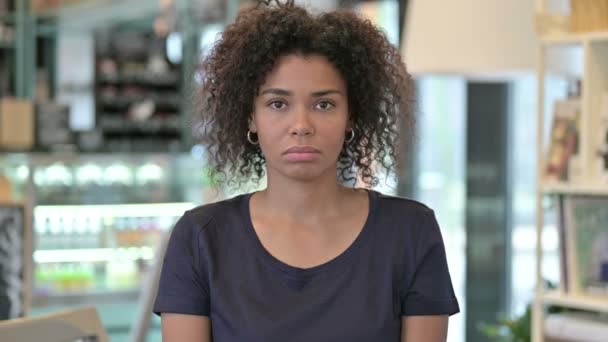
304 172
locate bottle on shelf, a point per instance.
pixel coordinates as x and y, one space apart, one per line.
55 240
80 223
109 233
120 228
132 233
42 232
121 274
94 232
69 237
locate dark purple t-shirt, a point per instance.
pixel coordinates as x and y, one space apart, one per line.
216 266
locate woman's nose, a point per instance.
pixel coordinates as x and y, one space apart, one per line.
302 124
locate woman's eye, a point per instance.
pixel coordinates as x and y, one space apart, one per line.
277 104
324 105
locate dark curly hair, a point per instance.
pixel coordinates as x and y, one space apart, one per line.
380 91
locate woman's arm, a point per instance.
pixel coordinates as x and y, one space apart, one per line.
185 328
424 328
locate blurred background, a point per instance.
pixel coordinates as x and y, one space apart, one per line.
96 142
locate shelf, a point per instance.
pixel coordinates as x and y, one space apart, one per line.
575 189
11 203
574 38
93 254
8 18
149 79
86 297
39 158
115 210
120 125
562 39
576 301
173 101
6 45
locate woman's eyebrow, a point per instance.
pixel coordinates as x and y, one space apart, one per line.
276 91
326 92
283 92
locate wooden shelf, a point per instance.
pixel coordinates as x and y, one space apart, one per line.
575 57
581 302
5 202
574 38
561 39
575 189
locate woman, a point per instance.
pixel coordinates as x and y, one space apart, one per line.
312 102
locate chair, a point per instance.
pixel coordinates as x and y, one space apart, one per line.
70 325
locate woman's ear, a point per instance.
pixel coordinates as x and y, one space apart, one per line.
349 125
251 124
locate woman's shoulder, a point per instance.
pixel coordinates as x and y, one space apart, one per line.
400 206
407 223
404 217
222 210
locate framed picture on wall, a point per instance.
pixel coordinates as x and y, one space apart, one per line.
15 253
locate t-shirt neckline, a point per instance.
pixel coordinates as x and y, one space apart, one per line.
298 272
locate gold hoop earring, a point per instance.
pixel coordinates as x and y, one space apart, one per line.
251 140
352 136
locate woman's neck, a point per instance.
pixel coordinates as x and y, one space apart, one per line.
303 201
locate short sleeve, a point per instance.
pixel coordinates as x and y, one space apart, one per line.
429 291
183 285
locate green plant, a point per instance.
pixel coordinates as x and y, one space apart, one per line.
518 329
509 329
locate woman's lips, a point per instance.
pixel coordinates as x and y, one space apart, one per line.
301 154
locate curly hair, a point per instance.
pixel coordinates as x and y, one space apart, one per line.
380 91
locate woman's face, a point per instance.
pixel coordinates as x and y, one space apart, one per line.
301 117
